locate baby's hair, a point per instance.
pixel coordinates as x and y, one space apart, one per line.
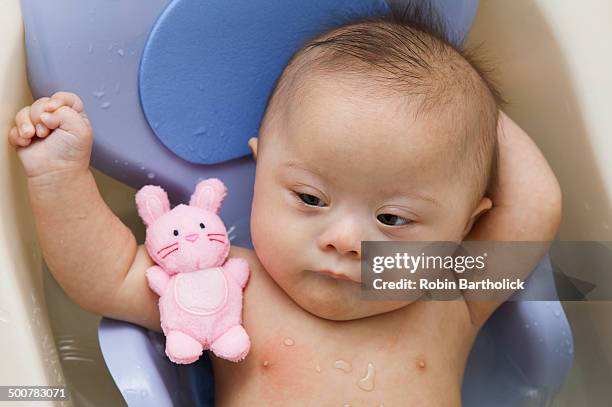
411 53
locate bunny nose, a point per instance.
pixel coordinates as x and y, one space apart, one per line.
192 237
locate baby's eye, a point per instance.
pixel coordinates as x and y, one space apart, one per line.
310 200
202 225
392 220
175 232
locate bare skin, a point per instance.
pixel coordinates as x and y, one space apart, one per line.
416 350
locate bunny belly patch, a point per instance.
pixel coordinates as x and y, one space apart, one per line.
202 292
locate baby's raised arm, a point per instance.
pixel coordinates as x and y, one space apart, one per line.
89 251
526 202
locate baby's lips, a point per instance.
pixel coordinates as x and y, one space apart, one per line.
340 275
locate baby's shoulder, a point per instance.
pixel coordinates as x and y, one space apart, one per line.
244 253
259 281
262 296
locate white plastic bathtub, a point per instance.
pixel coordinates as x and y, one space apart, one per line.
554 62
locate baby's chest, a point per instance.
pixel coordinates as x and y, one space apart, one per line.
313 366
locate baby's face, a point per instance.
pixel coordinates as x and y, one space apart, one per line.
342 166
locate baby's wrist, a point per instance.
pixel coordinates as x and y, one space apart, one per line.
58 178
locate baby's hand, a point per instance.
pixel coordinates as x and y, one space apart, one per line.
53 135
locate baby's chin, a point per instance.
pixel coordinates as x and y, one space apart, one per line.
336 300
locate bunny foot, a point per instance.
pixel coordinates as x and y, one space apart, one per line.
182 348
233 345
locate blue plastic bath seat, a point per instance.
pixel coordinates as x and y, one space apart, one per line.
173 91
207 69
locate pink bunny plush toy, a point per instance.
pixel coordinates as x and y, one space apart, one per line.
200 290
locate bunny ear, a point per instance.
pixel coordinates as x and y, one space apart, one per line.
209 195
152 202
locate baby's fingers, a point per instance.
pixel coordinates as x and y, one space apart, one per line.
36 110
16 140
68 120
69 99
24 123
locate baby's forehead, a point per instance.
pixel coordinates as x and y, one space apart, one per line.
384 135
336 109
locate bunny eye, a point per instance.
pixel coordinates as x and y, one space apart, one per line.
175 232
202 225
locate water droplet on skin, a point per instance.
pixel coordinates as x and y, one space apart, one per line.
557 314
105 105
343 365
289 342
142 167
266 363
318 369
421 364
120 52
366 383
150 175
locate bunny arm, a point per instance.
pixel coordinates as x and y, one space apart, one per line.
238 268
158 279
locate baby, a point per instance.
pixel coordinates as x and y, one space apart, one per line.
376 131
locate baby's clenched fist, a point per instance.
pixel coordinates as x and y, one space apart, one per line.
53 135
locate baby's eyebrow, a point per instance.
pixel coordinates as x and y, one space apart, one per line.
426 197
302 167
415 194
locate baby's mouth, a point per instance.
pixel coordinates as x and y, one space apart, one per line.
336 275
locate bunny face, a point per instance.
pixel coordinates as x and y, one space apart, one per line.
188 237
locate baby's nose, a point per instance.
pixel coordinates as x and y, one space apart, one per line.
192 237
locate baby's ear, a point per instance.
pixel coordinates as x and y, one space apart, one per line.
152 202
209 195
253 145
